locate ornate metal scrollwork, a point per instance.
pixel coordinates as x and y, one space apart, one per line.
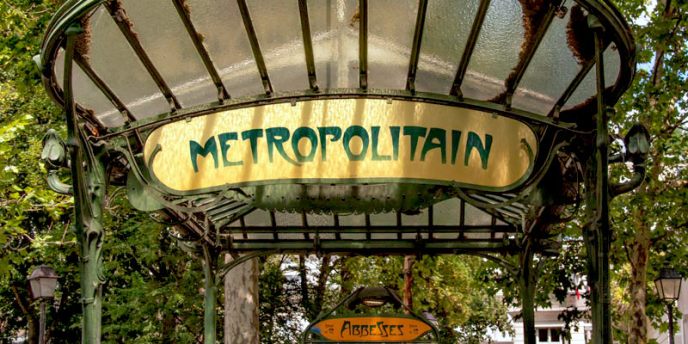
54 155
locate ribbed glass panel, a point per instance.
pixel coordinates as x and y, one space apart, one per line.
257 218
320 220
334 33
352 220
220 24
115 62
383 219
612 65
585 90
391 24
163 36
476 217
447 213
288 219
447 27
549 73
588 86
420 219
278 29
87 95
496 51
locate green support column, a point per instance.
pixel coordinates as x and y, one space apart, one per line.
210 299
88 179
596 232
527 282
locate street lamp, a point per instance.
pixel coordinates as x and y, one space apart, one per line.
668 286
43 281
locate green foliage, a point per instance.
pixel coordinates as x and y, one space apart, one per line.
651 224
152 293
451 288
281 310
152 290
34 222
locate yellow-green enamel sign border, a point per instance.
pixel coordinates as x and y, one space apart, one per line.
342 141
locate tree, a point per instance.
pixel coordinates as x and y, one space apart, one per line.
451 288
151 292
34 221
241 306
650 224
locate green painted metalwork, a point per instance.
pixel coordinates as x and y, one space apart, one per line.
527 282
387 246
308 45
88 178
468 51
255 47
120 17
223 269
210 295
73 10
596 232
415 51
363 45
54 155
197 40
140 196
208 216
297 96
512 82
104 88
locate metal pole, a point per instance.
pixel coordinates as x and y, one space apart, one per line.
596 232
41 324
604 232
88 180
671 322
527 283
210 297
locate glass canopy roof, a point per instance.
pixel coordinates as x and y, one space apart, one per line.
139 64
142 59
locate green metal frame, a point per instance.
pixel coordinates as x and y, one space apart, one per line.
90 153
89 185
596 232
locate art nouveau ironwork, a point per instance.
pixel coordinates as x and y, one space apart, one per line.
402 95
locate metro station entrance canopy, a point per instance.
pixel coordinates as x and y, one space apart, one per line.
343 126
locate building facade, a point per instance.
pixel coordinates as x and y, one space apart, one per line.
549 327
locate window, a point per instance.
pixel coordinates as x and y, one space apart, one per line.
549 335
542 335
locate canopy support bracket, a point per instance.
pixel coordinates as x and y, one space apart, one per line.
597 233
88 179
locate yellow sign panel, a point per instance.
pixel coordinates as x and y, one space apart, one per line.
339 141
371 329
